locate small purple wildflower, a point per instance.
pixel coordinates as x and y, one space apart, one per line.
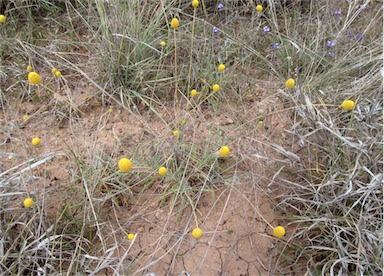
266 29
331 54
351 34
359 37
330 43
276 3
275 46
215 29
338 13
220 7
363 6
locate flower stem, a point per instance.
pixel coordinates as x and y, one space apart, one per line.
190 54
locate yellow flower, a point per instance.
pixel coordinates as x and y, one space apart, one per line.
25 117
175 23
216 87
29 68
290 83
260 123
131 236
176 133
54 70
36 141
224 151
162 43
193 92
348 104
2 18
110 110
195 3
197 233
221 67
28 202
57 73
124 164
162 171
259 8
279 232
183 122
34 78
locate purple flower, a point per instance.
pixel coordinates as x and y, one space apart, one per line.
215 29
276 3
220 6
266 29
351 34
330 43
363 6
331 54
359 37
275 46
338 13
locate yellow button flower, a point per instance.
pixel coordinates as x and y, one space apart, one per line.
131 236
28 202
193 92
290 83
34 78
221 67
197 233
57 73
162 171
2 18
25 117
54 70
176 133
124 164
279 232
259 8
195 3
224 151
175 23
216 87
348 104
29 68
162 43
36 141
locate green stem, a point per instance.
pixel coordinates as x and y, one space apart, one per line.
190 54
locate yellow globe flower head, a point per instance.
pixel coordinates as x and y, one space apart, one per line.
124 164
176 133
54 70
36 141
224 151
25 117
221 67
57 73
29 68
259 8
348 104
2 18
279 232
28 202
110 110
216 87
34 78
195 3
260 123
193 92
290 83
175 23
162 43
131 236
197 233
162 171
